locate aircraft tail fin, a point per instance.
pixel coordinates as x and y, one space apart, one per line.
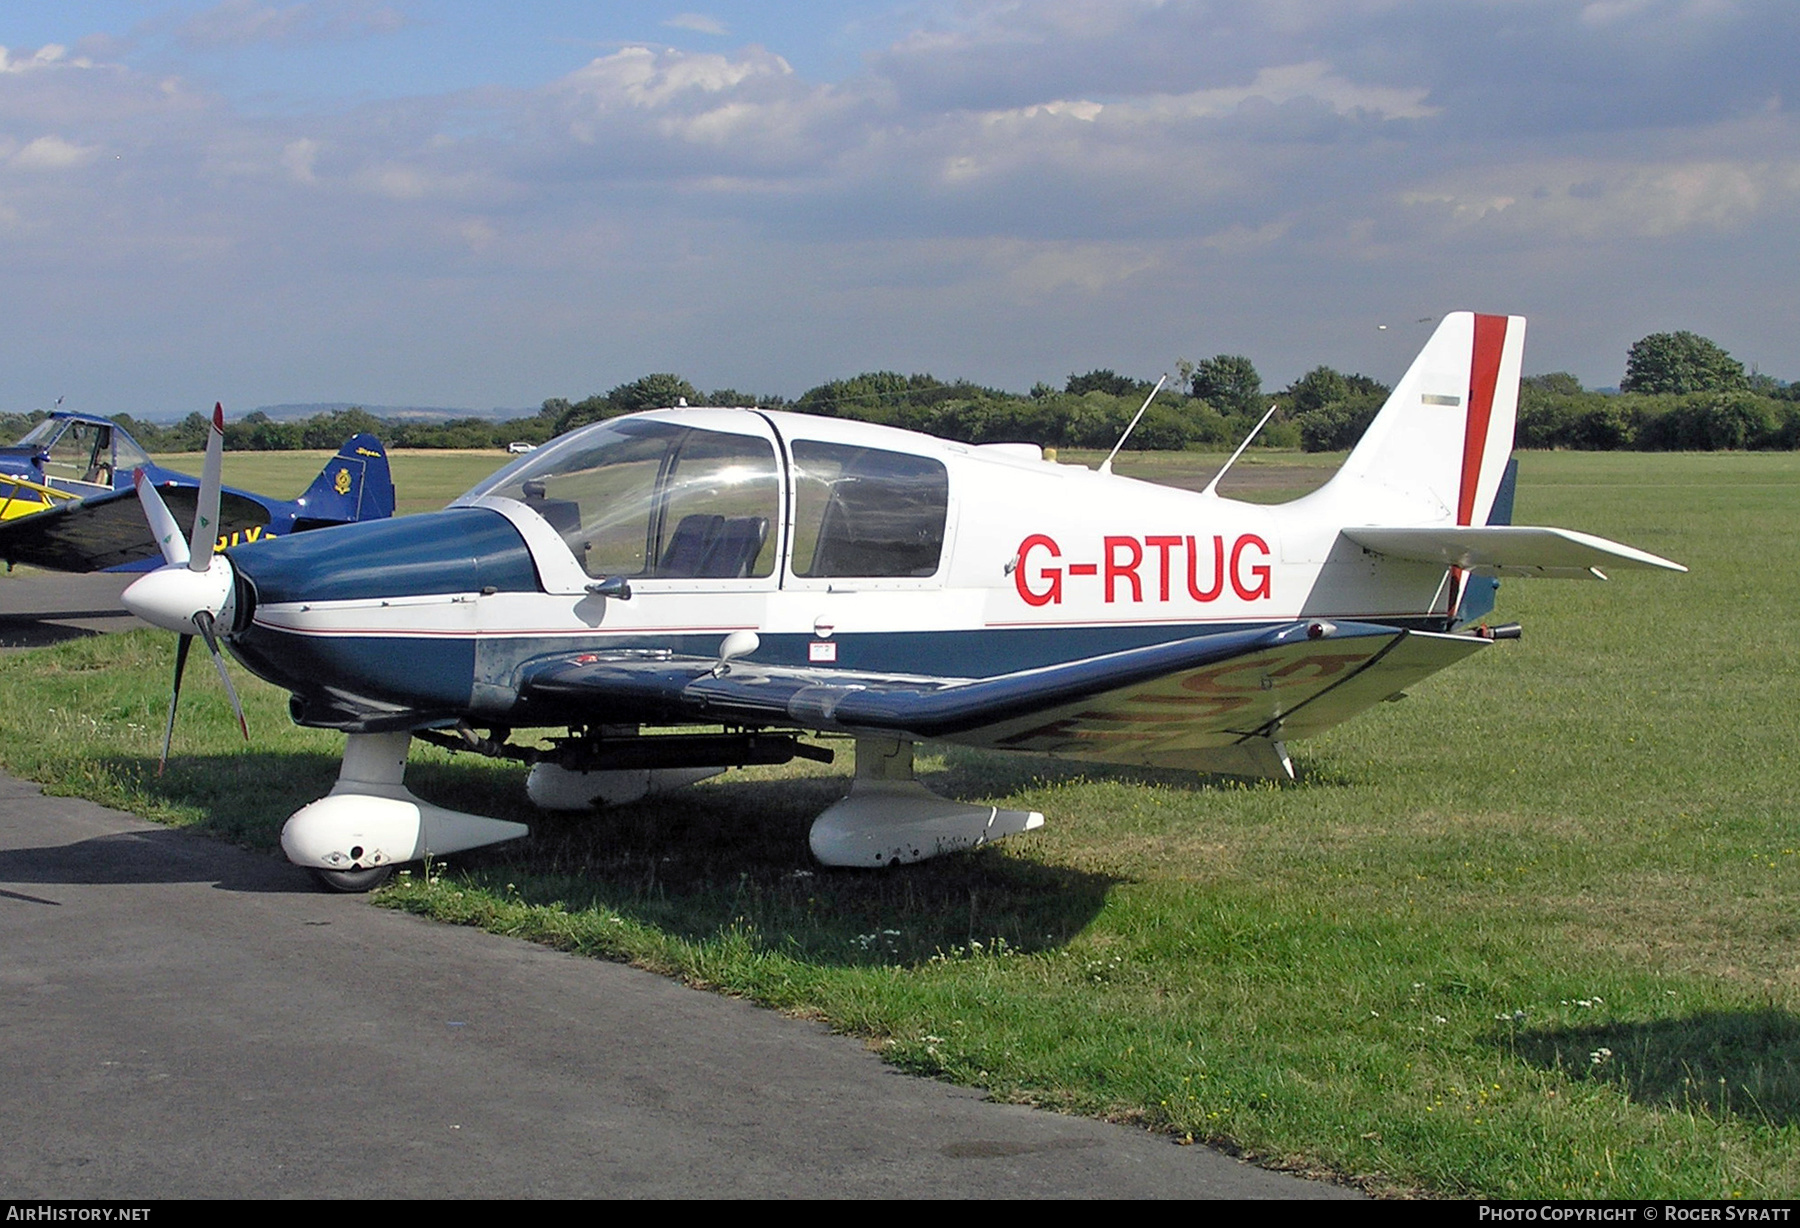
1437 451
354 485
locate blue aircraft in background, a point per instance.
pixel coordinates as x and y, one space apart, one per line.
66 501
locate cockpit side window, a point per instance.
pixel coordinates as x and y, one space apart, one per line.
719 509
126 453
867 512
82 453
655 500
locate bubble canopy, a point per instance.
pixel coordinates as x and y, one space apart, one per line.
653 498
699 494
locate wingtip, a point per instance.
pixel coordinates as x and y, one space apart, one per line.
218 420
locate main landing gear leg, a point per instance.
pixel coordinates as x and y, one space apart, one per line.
354 836
890 818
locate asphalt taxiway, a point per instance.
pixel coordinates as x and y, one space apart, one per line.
40 608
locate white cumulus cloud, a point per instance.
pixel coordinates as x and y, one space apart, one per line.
51 153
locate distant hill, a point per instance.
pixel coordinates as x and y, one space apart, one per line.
395 413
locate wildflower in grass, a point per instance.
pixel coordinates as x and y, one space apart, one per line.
884 937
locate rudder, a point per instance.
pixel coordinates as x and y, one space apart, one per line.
1438 449
354 485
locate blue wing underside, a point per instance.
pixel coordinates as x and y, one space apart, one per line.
1175 704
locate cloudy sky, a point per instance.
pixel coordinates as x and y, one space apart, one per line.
412 202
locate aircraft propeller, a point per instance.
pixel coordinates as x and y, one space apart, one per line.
194 586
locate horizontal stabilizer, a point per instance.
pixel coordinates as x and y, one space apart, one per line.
1507 550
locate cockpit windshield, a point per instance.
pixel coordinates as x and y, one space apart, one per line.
653 499
85 451
41 434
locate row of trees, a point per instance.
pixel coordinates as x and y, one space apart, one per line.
1696 422
1213 403
257 432
1680 391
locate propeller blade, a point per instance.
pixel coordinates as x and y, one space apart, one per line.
186 591
206 512
181 653
162 521
204 621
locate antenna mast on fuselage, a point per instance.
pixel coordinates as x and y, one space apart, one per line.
1106 465
1212 486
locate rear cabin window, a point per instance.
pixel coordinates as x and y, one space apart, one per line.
867 512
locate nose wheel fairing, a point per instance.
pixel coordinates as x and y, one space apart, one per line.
370 819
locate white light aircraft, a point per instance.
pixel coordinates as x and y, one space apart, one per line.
769 574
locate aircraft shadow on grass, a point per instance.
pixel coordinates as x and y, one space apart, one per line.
692 863
1744 1063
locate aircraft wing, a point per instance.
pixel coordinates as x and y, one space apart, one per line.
1182 704
109 530
1507 550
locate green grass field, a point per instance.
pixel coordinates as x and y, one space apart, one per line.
423 480
1529 933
